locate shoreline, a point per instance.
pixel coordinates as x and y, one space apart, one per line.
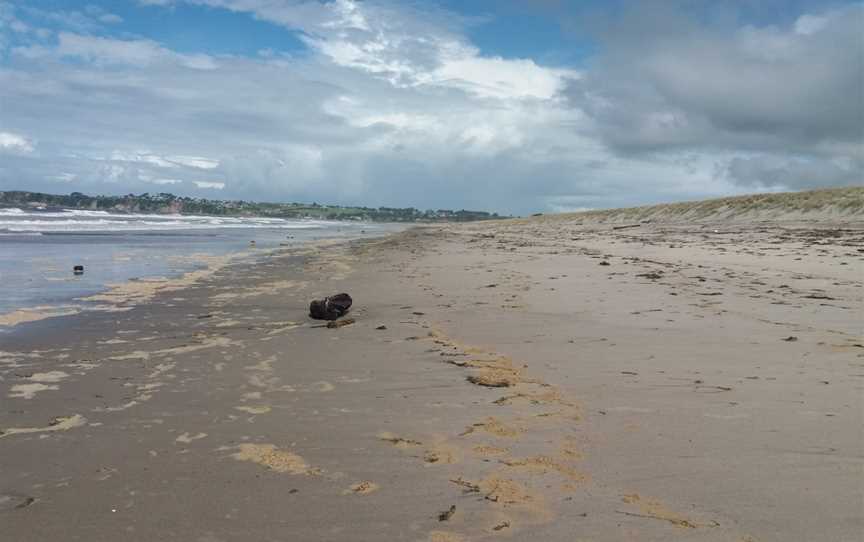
120 296
516 380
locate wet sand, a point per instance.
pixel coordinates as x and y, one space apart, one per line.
525 380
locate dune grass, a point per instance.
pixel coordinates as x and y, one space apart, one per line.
811 204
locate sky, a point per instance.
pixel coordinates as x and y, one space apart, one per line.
512 106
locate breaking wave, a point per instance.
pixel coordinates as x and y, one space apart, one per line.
14 220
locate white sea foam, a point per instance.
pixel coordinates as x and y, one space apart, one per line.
11 211
14 220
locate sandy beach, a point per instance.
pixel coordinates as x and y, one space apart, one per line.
554 378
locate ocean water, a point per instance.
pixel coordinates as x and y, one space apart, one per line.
38 250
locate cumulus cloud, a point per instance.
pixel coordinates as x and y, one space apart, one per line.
15 143
404 46
785 91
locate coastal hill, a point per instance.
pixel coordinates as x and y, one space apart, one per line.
813 206
165 203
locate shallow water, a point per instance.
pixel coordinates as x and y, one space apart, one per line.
39 249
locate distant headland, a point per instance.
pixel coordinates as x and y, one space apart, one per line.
164 203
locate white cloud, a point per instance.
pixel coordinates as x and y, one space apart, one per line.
404 47
15 143
102 51
162 161
209 184
65 177
144 157
809 24
193 161
111 18
500 78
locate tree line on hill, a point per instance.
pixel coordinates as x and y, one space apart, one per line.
164 203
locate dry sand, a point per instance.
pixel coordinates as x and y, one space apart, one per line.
548 379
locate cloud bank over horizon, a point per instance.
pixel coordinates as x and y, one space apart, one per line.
390 103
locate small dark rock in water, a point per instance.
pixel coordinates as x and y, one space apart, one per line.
790 339
330 308
381 327
78 270
604 262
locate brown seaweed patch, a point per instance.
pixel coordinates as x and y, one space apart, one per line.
544 464
269 456
442 453
493 426
485 450
547 397
499 489
362 488
495 378
397 441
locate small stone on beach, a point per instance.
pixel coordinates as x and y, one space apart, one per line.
447 514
